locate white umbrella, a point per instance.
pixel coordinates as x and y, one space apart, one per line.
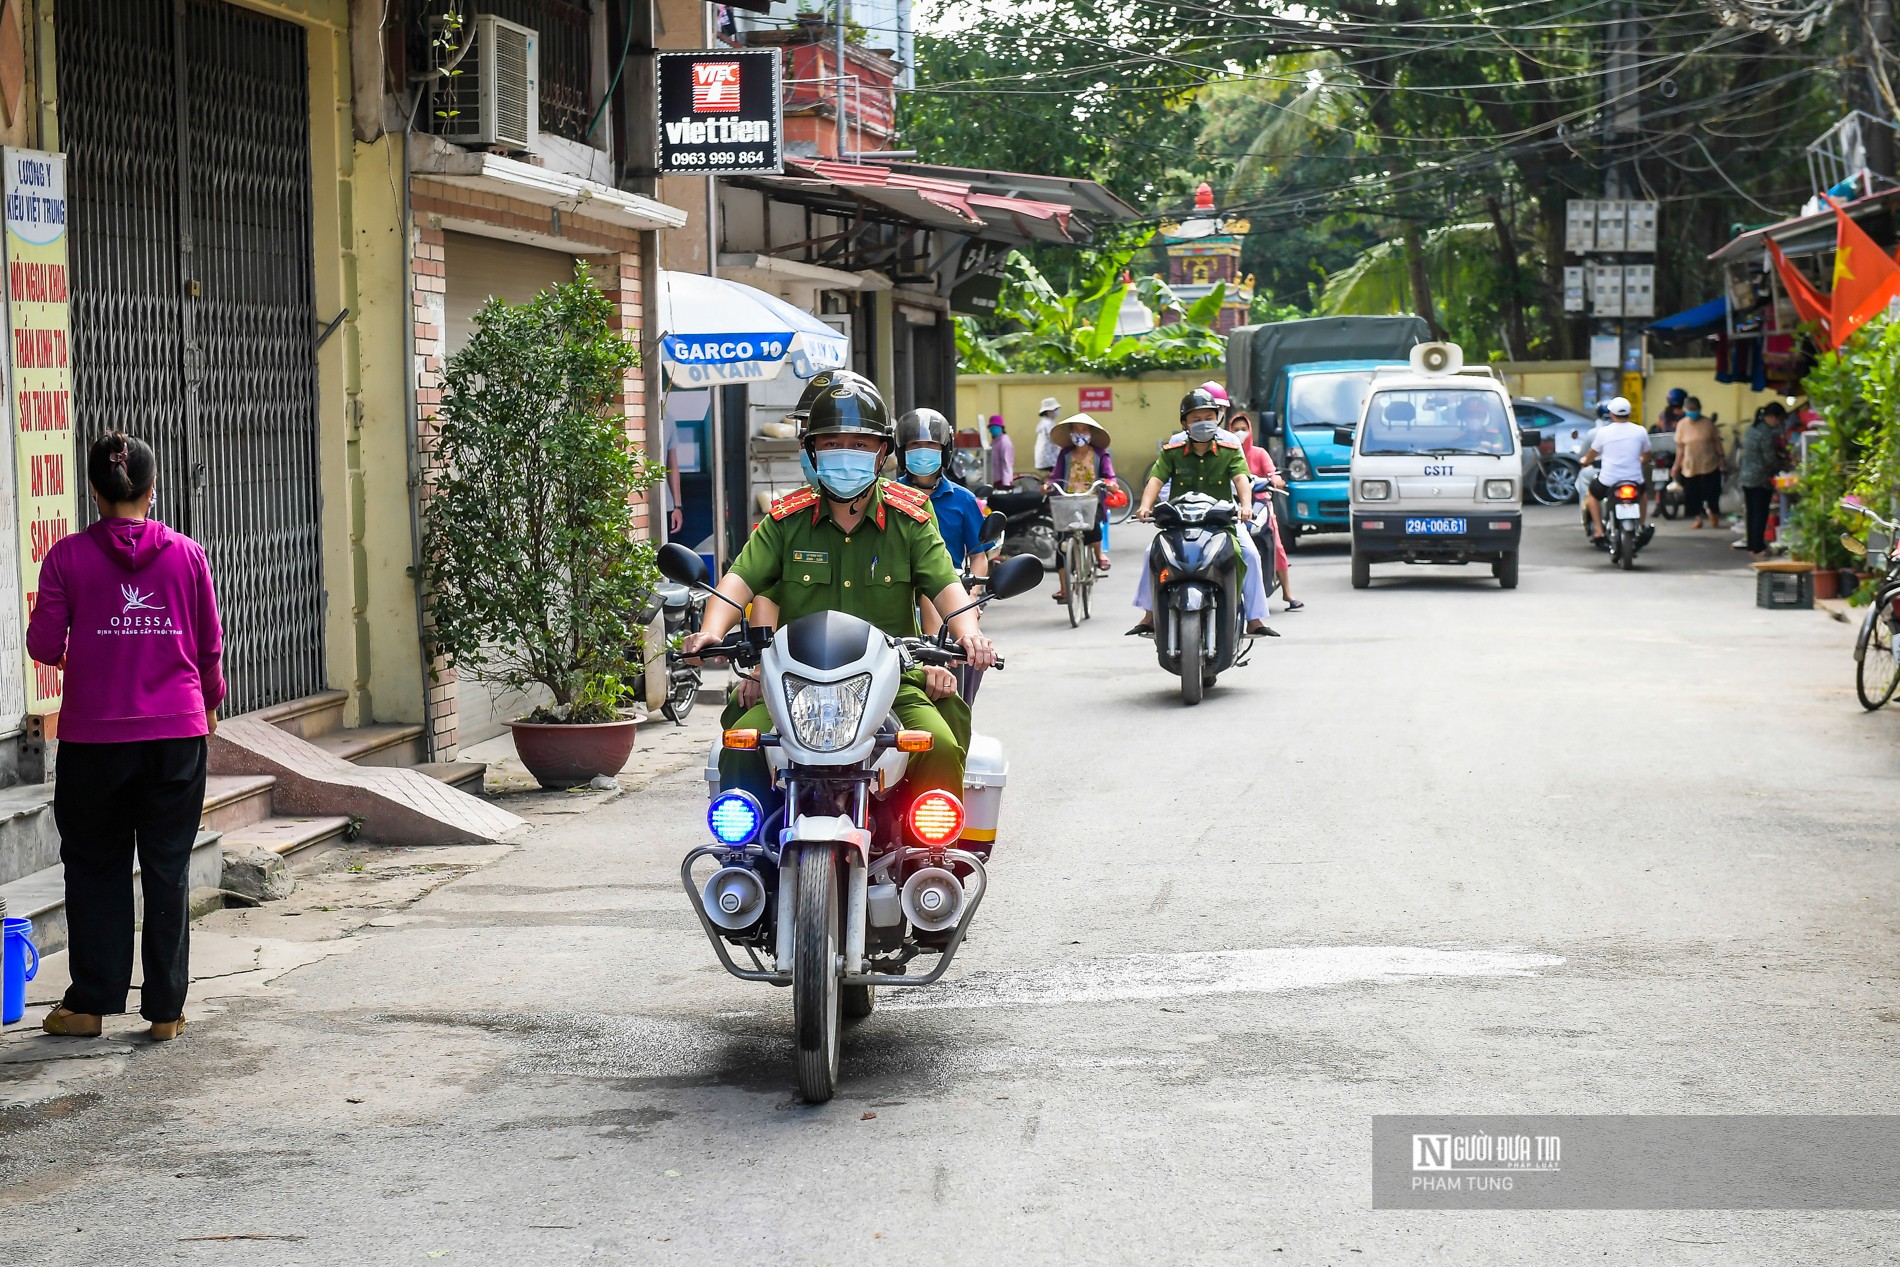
718 331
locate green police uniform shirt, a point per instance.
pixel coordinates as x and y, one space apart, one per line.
1212 473
807 563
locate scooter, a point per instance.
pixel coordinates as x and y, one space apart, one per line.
682 608
1195 563
1624 532
1264 525
839 878
1027 529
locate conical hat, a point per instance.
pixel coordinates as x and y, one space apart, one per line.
1100 437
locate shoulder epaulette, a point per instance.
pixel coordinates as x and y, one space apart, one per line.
792 503
913 502
1177 441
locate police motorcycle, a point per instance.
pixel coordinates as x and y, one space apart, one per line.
836 886
1195 563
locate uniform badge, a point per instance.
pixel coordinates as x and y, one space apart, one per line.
811 556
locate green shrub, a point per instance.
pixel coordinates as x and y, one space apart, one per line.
532 569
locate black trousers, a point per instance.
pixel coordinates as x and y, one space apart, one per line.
1757 500
109 798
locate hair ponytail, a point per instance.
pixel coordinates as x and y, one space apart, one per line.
122 468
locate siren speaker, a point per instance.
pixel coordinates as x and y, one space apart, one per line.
933 900
1438 358
734 898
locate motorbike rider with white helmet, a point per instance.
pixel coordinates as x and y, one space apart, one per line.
1202 458
1620 449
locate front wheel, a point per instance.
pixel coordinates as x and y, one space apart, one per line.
1878 673
1193 657
1072 579
1505 569
815 989
1361 571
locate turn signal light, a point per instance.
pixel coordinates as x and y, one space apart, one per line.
1167 574
937 818
745 740
914 741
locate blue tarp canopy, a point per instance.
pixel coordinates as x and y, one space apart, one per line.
1700 317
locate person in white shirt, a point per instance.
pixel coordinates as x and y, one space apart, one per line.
1047 450
1620 450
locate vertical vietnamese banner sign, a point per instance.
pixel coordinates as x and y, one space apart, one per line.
41 389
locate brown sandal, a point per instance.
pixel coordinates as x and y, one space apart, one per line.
165 1031
70 1024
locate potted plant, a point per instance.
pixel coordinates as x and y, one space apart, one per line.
532 570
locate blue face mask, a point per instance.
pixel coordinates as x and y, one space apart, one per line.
844 473
811 472
923 461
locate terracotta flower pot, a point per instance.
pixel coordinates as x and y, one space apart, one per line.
563 756
1827 583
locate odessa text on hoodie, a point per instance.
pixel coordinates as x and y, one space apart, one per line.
129 604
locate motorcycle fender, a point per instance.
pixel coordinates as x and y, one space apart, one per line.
826 829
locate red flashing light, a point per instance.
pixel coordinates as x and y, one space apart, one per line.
937 818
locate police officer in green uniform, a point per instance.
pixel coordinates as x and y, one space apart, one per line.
852 542
1202 458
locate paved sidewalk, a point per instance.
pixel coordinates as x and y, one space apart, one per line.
238 951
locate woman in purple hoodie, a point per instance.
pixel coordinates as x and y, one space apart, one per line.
126 608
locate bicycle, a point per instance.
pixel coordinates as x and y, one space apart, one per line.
1074 516
1876 666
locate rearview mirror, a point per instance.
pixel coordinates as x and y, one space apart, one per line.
1270 422
1530 439
1016 576
1342 436
677 563
993 525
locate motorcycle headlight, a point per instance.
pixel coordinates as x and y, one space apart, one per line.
1375 490
825 715
1297 466
1500 490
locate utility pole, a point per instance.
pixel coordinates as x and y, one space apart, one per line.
1878 15
837 52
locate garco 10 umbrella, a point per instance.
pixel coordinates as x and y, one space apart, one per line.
717 331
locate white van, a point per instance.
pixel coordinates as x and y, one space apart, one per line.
1437 468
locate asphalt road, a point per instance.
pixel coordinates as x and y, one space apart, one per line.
1610 843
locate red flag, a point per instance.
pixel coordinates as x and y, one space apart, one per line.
1809 303
1865 278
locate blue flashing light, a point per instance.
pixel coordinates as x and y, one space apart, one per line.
734 818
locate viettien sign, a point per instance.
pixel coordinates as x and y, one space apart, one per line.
720 112
41 387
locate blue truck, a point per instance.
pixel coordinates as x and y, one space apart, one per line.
1301 379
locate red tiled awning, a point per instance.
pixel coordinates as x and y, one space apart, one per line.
941 203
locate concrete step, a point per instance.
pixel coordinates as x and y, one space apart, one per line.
236 800
308 717
28 840
388 744
465 776
287 836
41 897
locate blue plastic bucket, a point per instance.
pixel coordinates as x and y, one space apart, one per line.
19 964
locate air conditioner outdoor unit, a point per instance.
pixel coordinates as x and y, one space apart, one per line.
493 96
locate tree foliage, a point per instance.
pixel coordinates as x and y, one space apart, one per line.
531 565
1038 328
